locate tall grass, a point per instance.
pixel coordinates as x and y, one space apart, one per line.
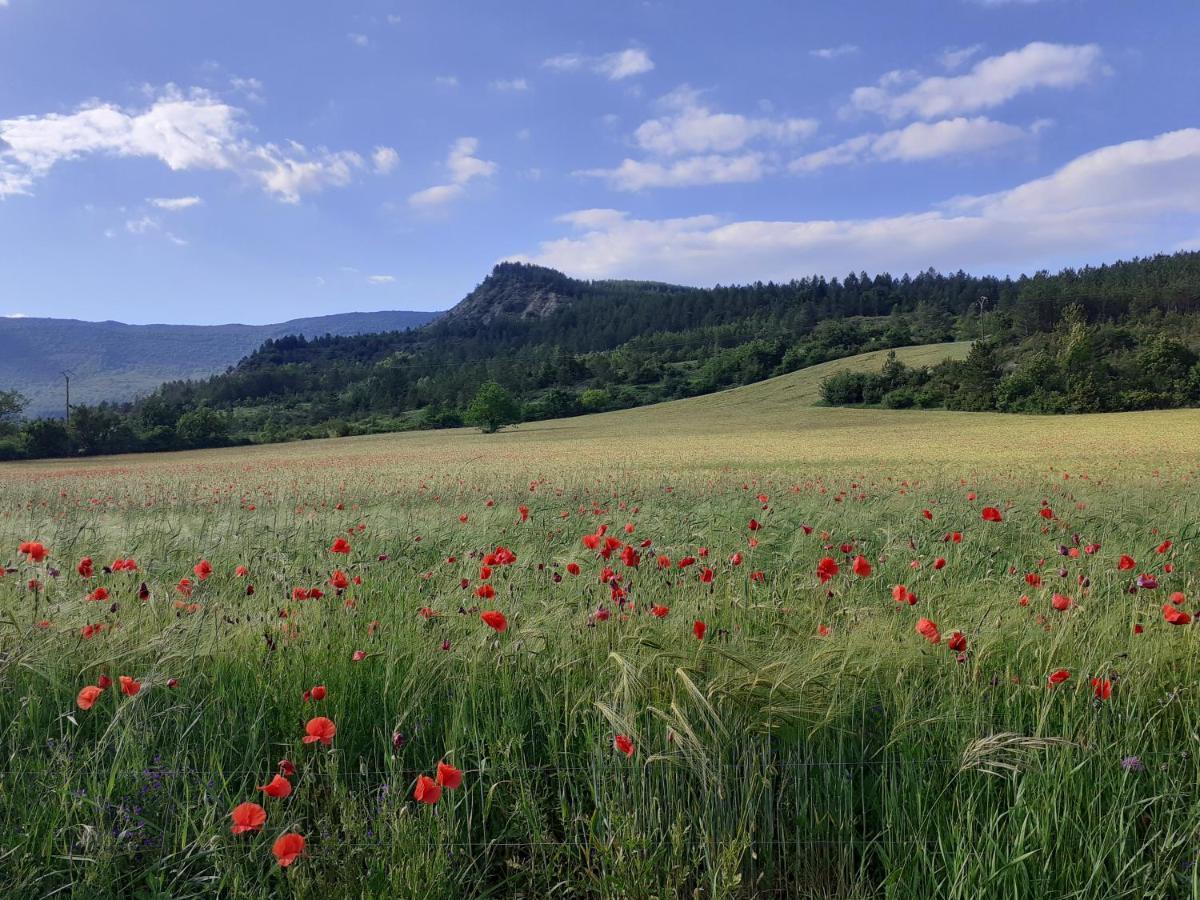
769 761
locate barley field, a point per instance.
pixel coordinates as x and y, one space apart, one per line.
734 646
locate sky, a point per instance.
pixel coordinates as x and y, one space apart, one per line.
254 162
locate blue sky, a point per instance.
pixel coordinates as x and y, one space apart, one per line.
254 162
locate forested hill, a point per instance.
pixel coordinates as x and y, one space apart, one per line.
113 361
1112 337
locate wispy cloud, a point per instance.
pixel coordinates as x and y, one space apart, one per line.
990 83
614 66
834 52
463 166
185 131
510 85
174 204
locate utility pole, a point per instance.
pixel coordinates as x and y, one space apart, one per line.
67 378
982 302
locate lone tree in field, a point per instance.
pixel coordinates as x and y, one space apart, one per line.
492 408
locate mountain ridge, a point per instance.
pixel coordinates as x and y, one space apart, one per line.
118 361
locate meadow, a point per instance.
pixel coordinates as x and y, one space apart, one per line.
747 647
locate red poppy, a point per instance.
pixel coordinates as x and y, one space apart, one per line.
929 631
1058 676
340 545
248 817
485 592
1061 602
288 847
278 787
315 693
901 594
99 593
1163 547
448 776
495 620
1046 512
202 569
105 682
823 630
287 768
698 629
84 568
754 525
523 511
320 729
358 655
241 571
35 550
1126 562
707 575
939 563
1175 616
957 642
339 580
991 514
659 611
573 568
623 743
1102 688
927 514
427 790
129 687
87 696
826 569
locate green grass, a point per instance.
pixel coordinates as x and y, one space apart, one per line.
769 761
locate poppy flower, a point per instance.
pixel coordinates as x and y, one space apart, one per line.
279 787
34 550
659 611
754 525
288 847
1061 602
523 511
340 545
823 630
203 569
241 571
1163 547
84 568
861 567
826 569
485 592
448 776
339 580
1046 512
707 575
315 693
129 687
1126 562
495 620
901 594
573 568
358 655
87 696
929 631
624 744
427 790
957 642
105 682
939 563
320 729
698 629
1102 688
99 593
1058 676
1175 616
991 514
248 817
928 514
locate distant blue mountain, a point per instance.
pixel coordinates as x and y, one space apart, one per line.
115 361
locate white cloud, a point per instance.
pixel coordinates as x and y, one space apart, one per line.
515 85
636 175
694 144
380 279
385 159
185 132
990 82
614 66
1123 199
918 141
437 195
288 174
142 225
463 166
174 204
394 19
953 57
358 40
16 315
624 64
834 52
692 127
446 81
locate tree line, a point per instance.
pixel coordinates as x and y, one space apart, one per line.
1109 337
